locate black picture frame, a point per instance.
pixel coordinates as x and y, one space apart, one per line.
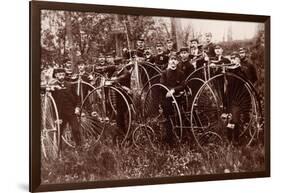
34 100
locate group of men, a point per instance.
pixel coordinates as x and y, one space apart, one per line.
176 66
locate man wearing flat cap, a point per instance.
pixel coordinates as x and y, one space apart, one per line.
197 57
194 43
235 66
67 65
185 64
219 58
139 51
247 67
161 59
67 104
173 78
140 47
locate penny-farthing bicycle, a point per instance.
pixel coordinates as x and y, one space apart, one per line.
152 116
81 89
225 109
106 109
50 125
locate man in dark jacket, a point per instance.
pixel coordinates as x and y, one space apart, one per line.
169 47
185 64
173 79
67 104
138 52
140 47
149 56
67 65
82 90
121 75
219 59
248 68
197 56
161 59
209 47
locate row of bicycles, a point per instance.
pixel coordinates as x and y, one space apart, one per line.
215 102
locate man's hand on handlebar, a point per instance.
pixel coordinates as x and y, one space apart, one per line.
170 93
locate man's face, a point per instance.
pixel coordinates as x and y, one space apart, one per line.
194 44
208 38
147 53
159 49
218 51
173 63
184 55
60 76
110 59
140 44
81 67
170 45
101 61
242 54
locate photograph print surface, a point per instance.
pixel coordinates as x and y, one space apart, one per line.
130 97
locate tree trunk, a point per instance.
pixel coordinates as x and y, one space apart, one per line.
69 38
176 31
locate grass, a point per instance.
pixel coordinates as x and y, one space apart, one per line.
107 162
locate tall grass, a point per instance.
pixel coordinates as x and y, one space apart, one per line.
108 162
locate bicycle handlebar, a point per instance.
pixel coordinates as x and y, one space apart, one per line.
230 65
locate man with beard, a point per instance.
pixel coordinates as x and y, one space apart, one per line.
161 59
173 78
248 68
67 104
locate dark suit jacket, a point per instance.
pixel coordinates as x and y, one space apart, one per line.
249 70
173 79
210 49
186 67
161 60
66 99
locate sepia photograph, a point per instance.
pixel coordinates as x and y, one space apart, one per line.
127 96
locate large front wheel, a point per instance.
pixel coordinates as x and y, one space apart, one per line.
106 109
225 109
50 128
159 111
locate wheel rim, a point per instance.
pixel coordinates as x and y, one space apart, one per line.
214 100
152 103
50 131
103 108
